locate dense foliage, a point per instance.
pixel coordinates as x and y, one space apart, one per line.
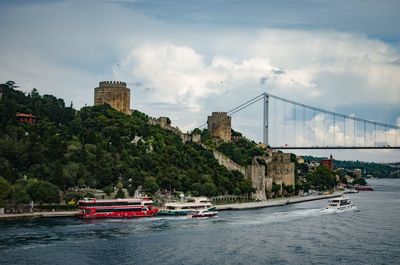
377 170
242 151
321 179
99 147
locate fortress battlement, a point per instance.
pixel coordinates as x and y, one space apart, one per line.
108 84
219 113
114 93
219 126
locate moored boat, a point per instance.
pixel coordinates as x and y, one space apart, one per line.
186 207
116 208
352 190
364 188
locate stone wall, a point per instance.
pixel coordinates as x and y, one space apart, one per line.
281 169
256 173
165 123
114 93
228 163
219 126
264 170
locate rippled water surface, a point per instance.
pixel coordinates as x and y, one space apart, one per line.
293 234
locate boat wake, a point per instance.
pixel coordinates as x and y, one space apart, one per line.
328 211
286 216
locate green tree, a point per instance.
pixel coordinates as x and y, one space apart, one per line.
19 194
72 196
276 189
43 192
108 190
120 193
5 190
150 185
246 187
321 179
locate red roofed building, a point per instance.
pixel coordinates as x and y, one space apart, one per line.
26 118
328 162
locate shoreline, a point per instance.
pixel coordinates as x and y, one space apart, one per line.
35 215
275 202
223 207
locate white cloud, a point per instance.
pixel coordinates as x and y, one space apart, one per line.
188 71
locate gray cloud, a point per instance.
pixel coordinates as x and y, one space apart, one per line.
334 56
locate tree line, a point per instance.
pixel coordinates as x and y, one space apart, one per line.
98 147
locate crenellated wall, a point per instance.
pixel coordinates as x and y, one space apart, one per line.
219 126
114 93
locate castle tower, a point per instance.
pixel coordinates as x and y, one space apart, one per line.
114 93
219 126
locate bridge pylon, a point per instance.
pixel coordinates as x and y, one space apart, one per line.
265 119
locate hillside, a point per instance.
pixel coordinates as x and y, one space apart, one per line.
99 147
378 170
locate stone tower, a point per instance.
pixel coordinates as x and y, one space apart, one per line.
219 126
114 93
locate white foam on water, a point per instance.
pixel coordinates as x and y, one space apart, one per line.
267 218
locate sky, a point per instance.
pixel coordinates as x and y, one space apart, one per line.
186 59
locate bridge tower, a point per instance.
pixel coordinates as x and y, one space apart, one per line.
265 119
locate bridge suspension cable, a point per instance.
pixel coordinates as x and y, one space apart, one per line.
332 134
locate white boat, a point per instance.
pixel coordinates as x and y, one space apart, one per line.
352 190
194 204
203 214
341 204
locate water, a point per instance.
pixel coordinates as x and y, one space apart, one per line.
293 234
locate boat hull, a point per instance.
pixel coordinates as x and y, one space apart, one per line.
204 214
364 188
343 208
173 213
128 214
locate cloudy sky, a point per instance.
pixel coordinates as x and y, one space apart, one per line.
185 59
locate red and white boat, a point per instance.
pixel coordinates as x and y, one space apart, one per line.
364 188
116 208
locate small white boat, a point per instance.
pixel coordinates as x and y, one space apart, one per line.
203 214
352 190
341 204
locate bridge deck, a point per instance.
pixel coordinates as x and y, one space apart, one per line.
336 147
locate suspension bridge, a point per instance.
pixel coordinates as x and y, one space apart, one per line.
292 125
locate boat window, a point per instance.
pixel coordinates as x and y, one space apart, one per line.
117 203
119 210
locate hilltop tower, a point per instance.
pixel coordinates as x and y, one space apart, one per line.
114 93
219 126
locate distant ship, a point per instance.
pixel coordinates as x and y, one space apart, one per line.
116 208
364 188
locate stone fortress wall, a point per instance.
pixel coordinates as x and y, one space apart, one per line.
264 170
165 123
219 126
114 93
227 162
281 169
